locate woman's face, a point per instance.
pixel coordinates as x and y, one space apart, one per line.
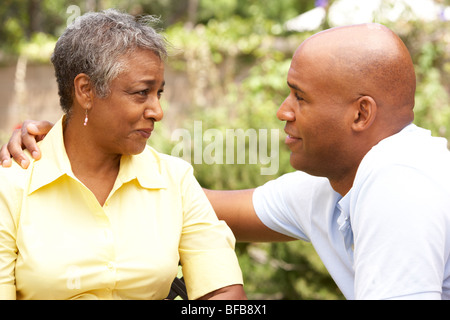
125 119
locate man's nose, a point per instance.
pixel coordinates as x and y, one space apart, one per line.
285 112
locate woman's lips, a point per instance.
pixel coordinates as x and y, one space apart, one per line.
145 133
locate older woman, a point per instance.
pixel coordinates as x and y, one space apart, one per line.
103 215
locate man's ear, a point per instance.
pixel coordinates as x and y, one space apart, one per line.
365 111
83 92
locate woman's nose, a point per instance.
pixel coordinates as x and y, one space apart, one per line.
154 111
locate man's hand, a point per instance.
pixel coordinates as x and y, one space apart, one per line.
24 138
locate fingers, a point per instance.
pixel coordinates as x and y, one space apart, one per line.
30 131
14 148
38 128
5 157
25 137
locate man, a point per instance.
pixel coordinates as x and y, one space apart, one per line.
372 190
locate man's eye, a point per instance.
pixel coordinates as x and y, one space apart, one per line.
298 97
160 92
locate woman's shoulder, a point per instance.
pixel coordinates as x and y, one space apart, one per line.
14 176
13 183
165 161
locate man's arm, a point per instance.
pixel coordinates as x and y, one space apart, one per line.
233 292
24 138
236 209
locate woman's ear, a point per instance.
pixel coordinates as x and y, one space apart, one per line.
84 92
365 113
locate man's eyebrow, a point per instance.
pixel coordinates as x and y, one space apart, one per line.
293 86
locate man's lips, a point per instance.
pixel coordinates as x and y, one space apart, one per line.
291 139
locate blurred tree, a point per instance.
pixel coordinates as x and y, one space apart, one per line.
35 16
14 21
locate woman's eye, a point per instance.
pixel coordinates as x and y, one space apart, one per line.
142 92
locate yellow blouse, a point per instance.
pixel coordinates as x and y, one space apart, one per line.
57 242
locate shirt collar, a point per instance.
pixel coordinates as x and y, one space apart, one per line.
343 206
54 163
145 167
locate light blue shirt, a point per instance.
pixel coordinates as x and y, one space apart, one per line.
389 237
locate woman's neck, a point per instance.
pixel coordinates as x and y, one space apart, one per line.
94 167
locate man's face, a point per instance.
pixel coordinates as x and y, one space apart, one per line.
317 119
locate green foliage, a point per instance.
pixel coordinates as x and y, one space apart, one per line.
432 108
12 31
429 46
39 48
277 11
285 271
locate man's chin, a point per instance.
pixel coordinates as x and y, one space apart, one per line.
296 162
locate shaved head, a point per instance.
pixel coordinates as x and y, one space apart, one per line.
367 59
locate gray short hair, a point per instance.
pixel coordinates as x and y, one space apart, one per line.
94 44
